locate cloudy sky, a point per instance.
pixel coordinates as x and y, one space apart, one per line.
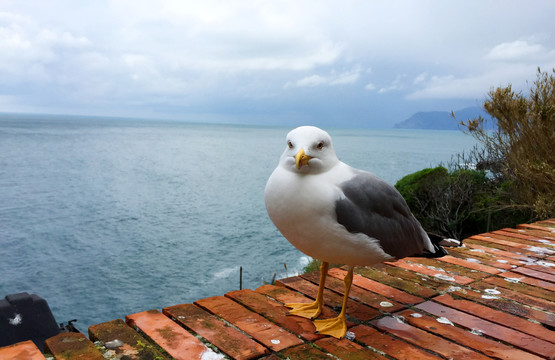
329 63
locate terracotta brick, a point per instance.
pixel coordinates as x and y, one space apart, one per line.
547 229
228 339
376 287
520 287
525 237
517 296
389 345
507 304
529 234
270 357
488 347
424 339
430 282
175 340
359 294
474 244
544 223
508 335
498 317
543 268
484 252
348 350
72 346
534 249
421 269
355 309
470 264
25 350
536 234
484 258
304 352
450 268
284 295
125 342
243 323
535 274
507 243
389 277
529 280
275 312
508 251
262 330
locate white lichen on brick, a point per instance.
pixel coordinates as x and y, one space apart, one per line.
444 277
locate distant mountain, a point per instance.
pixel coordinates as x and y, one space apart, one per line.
440 120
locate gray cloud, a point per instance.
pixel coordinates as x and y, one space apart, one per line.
172 58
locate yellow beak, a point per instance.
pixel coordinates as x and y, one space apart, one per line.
301 159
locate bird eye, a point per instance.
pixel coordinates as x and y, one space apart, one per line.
290 144
320 145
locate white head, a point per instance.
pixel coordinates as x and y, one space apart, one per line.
308 150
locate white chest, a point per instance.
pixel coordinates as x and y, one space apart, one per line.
303 206
303 210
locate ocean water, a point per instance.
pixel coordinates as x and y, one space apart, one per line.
105 218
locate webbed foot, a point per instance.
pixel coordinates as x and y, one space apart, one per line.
306 310
336 327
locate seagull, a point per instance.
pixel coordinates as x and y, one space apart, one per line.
338 214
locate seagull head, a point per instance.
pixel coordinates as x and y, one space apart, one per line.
308 150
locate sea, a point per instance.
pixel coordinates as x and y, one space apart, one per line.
109 217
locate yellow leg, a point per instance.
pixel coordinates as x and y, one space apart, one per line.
312 310
337 327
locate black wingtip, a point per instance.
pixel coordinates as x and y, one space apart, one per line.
439 251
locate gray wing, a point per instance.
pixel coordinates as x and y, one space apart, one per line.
375 208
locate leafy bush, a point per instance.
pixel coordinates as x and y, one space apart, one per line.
459 202
513 179
520 150
448 203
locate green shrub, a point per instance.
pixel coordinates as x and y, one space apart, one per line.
519 150
460 202
448 203
514 177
